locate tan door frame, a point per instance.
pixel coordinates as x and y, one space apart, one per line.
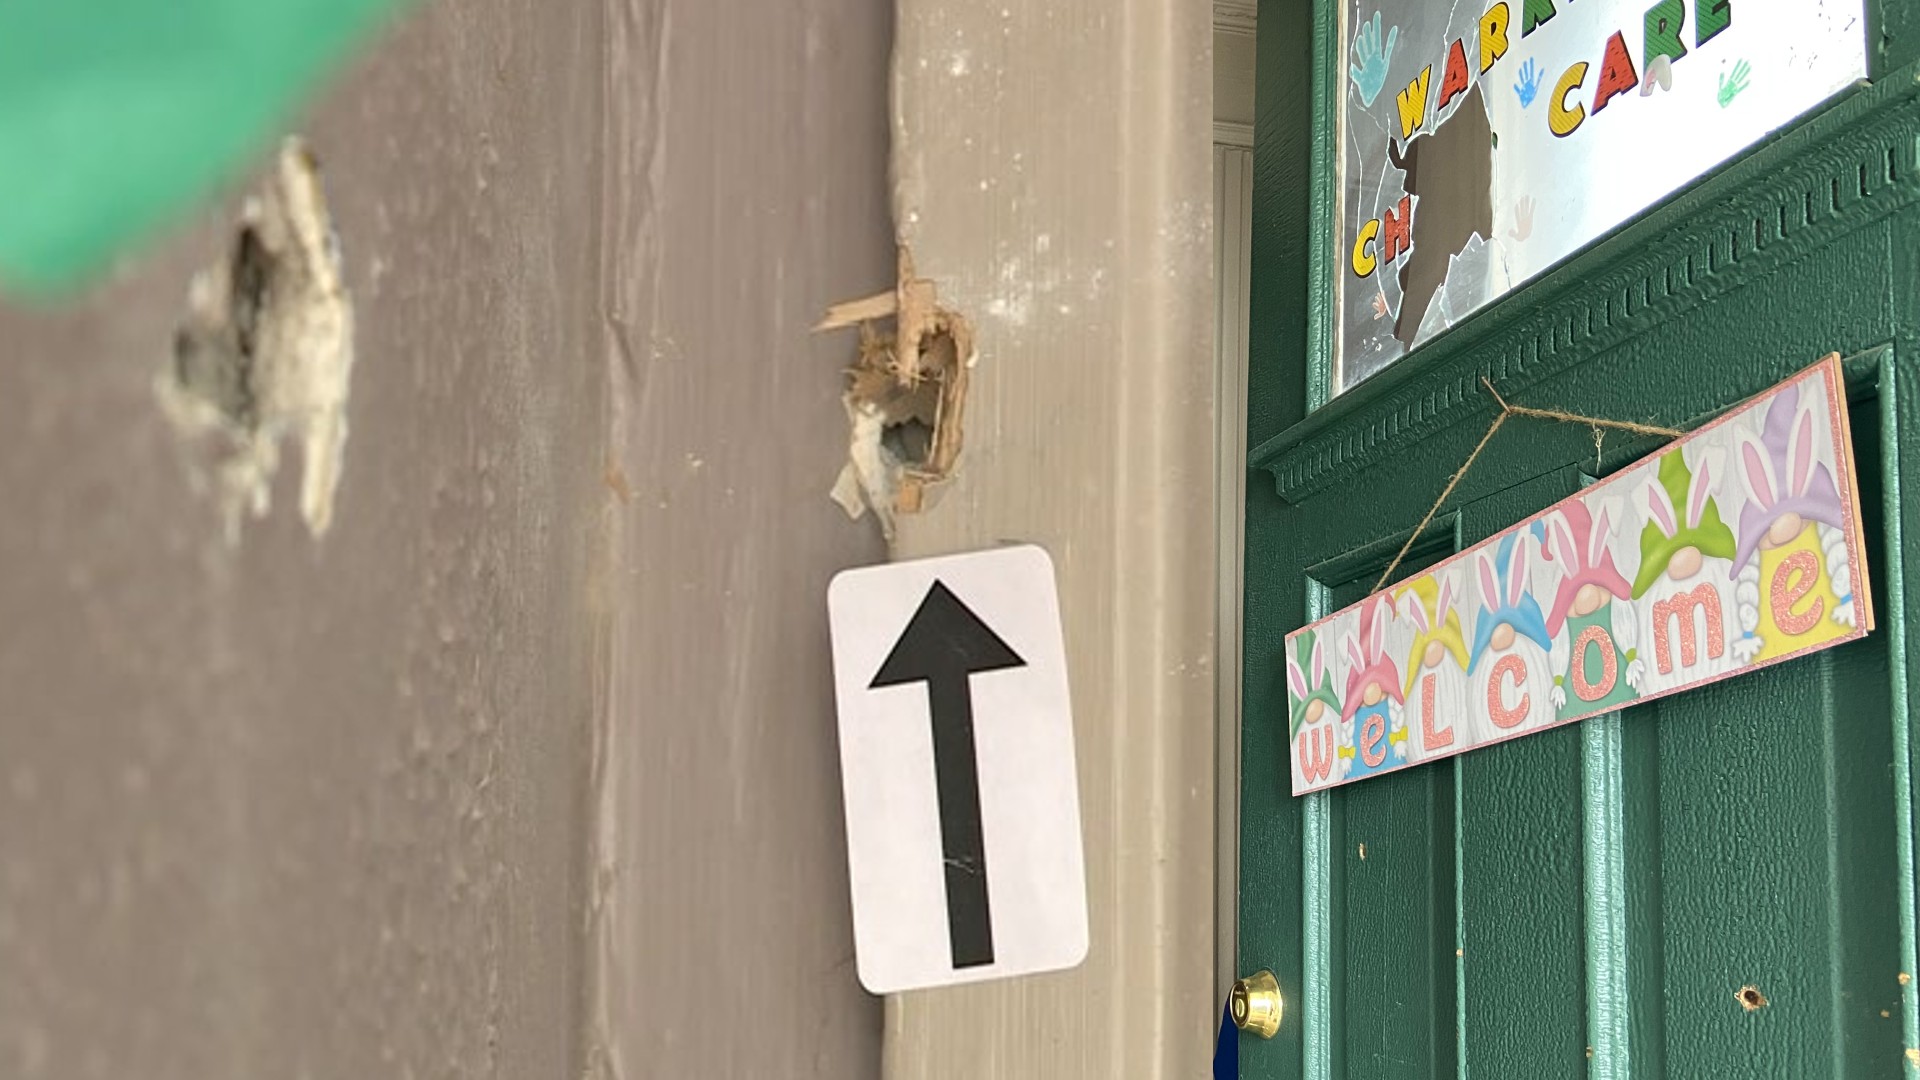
1052 176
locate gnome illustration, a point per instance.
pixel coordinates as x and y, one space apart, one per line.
1313 709
1684 593
1795 583
1511 684
1595 664
1436 685
1375 730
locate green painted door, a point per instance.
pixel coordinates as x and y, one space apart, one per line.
1718 884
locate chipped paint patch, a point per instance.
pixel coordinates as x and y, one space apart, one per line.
265 353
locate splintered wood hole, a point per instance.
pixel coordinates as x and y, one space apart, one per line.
1751 999
1363 853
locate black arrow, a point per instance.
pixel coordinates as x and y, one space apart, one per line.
944 644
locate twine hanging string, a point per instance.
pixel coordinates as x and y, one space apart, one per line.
1598 424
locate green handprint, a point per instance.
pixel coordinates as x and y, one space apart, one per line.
1730 88
1370 57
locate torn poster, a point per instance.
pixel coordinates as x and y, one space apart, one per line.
1482 143
1731 549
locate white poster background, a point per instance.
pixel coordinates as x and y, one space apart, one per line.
1029 793
1620 161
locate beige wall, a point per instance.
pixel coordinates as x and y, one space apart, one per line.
1233 76
526 768
735 216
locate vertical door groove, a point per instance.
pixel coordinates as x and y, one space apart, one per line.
1604 804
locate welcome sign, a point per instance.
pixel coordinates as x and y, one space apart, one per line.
1483 141
1732 549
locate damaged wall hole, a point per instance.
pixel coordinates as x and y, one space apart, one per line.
1751 999
905 398
909 440
265 352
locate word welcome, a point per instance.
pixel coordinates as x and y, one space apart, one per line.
1732 549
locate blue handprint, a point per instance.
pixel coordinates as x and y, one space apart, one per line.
1529 85
1370 58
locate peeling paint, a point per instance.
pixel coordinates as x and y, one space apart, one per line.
265 353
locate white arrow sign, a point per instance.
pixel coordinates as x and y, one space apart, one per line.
956 754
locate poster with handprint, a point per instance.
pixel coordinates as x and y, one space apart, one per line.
1736 547
1483 143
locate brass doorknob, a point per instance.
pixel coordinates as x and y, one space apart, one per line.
1257 1005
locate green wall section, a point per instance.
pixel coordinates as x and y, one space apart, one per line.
1589 902
116 114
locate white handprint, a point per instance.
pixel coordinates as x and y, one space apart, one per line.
1522 219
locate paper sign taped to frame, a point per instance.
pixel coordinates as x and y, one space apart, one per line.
1734 548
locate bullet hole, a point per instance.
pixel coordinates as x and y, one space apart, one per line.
265 352
1905 978
1363 853
909 440
905 399
1751 999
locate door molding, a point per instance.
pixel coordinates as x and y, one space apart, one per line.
1077 239
1233 246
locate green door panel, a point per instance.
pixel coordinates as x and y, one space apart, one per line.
1593 901
1519 829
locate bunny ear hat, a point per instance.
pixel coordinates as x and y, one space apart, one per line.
1578 539
1427 603
1367 655
1501 579
1782 476
1669 529
1308 679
